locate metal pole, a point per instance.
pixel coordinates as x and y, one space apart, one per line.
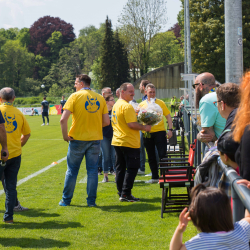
233 41
239 192
188 38
185 41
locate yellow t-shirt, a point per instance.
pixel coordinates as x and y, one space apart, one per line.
123 136
15 125
160 126
87 108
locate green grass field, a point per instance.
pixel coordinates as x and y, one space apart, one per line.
111 225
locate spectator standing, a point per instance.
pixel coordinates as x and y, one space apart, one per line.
45 110
228 100
106 91
211 121
108 151
117 93
126 140
18 133
172 103
158 134
89 115
241 127
141 171
63 101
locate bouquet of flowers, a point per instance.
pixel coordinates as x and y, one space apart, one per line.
151 115
135 106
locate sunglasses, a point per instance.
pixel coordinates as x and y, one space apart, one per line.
196 84
216 103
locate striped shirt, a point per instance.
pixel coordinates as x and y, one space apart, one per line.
235 239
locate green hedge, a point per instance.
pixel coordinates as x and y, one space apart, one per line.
26 101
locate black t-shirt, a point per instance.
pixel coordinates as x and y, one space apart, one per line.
230 119
45 105
108 130
63 103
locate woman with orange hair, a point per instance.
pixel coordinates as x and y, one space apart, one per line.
241 127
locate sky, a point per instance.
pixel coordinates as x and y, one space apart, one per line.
80 13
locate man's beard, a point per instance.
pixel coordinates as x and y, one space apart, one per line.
199 95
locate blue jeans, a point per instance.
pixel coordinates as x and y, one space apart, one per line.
76 151
142 154
10 173
108 154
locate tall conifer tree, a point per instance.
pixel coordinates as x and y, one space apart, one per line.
121 58
108 63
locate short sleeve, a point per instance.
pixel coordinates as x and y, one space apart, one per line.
208 114
69 104
1 118
129 114
165 110
246 227
26 127
105 109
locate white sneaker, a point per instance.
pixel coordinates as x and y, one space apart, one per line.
47 124
20 208
152 181
43 124
141 172
150 174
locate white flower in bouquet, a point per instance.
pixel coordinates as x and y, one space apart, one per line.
151 115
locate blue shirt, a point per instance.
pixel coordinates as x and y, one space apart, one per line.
210 116
144 98
45 105
235 239
186 102
63 102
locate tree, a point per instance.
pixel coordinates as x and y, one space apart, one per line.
108 63
121 59
17 65
55 44
165 50
208 36
41 31
140 21
63 72
24 37
90 40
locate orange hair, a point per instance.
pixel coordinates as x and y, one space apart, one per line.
242 118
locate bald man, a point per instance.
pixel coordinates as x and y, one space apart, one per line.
212 122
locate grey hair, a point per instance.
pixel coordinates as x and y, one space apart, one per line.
7 94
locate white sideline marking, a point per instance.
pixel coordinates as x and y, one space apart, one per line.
84 180
36 173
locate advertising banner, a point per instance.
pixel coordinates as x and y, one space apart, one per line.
55 110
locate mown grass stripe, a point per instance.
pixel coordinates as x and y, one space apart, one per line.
37 173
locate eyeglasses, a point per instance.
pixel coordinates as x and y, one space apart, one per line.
216 103
196 84
111 100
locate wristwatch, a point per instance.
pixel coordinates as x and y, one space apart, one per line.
170 129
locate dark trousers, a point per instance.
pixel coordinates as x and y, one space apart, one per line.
10 173
127 165
45 114
158 140
4 187
172 107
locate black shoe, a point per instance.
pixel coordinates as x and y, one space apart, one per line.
129 198
119 194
